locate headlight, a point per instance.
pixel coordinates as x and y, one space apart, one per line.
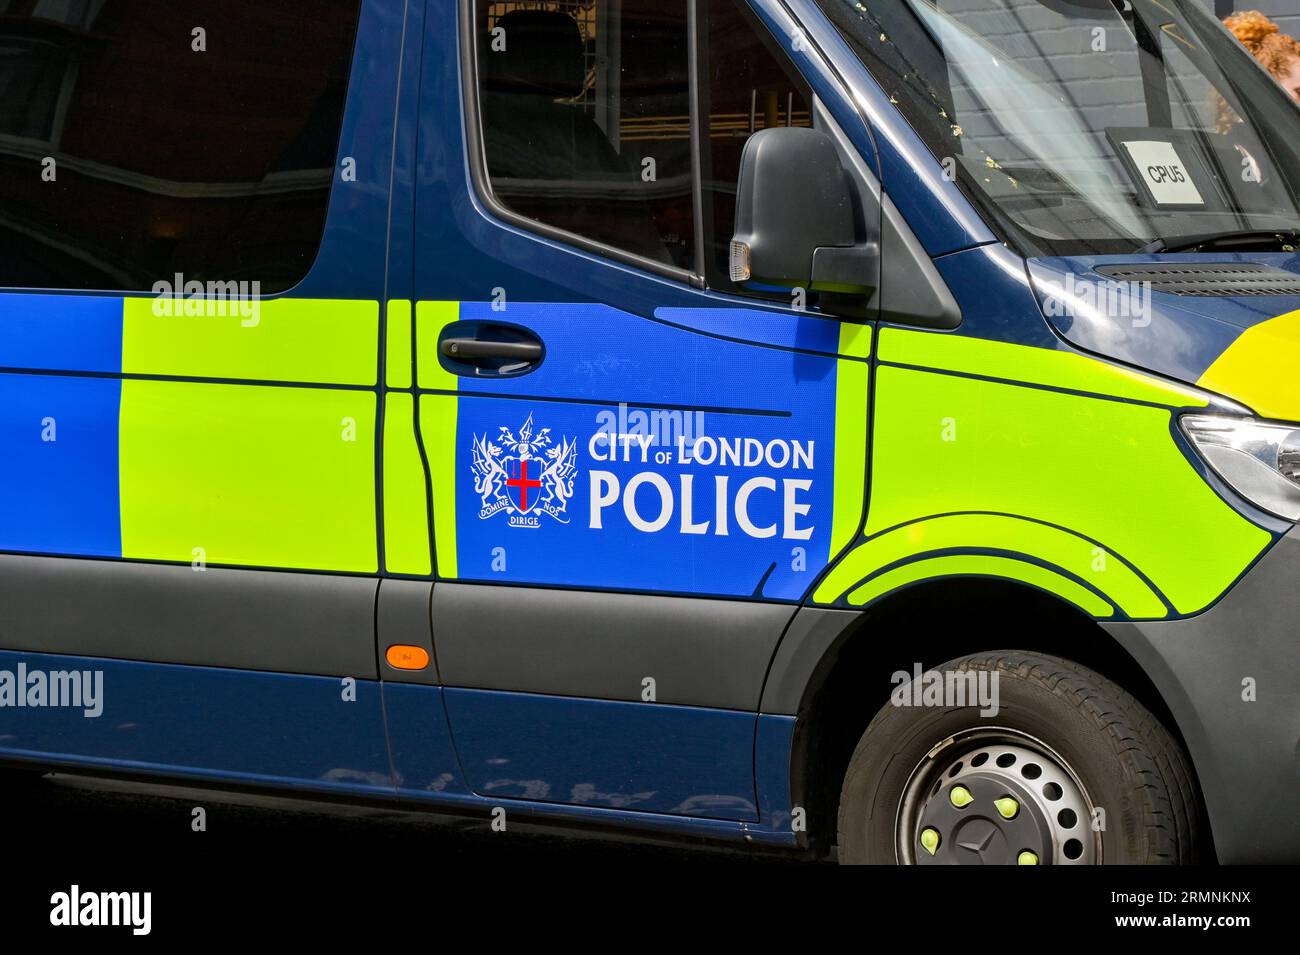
1260 461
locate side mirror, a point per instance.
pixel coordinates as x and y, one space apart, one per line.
799 222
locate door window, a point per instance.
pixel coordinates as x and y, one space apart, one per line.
586 120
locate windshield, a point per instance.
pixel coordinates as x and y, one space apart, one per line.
1088 126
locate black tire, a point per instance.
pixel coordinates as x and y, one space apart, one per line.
1124 760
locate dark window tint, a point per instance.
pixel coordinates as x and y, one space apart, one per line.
216 164
746 87
586 119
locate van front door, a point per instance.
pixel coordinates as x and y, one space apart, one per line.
635 477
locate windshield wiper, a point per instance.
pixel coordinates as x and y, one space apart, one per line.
1255 240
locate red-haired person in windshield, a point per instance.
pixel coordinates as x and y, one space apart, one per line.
1279 53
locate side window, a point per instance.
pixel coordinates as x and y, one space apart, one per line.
133 148
585 117
746 86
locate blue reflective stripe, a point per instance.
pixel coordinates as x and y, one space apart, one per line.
61 332
59 479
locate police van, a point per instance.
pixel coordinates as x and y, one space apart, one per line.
863 427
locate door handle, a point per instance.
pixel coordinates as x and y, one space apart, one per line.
469 349
486 349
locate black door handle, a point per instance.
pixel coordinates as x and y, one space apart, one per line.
476 348
468 349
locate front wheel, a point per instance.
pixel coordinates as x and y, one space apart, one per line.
1071 770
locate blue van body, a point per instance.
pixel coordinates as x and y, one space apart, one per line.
719 753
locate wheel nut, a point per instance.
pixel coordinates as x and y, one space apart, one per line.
1007 807
960 796
1027 858
930 840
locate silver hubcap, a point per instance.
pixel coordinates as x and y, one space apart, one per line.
995 796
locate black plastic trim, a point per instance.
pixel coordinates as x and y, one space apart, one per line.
1246 750
598 645
279 621
912 290
813 632
403 617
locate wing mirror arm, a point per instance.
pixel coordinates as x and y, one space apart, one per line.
845 269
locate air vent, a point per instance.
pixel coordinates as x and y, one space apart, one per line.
1222 280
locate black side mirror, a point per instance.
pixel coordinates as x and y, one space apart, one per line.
799 221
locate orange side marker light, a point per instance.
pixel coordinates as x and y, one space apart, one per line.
403 657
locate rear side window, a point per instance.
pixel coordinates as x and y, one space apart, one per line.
586 116
144 138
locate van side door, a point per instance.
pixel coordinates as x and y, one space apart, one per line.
193 225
